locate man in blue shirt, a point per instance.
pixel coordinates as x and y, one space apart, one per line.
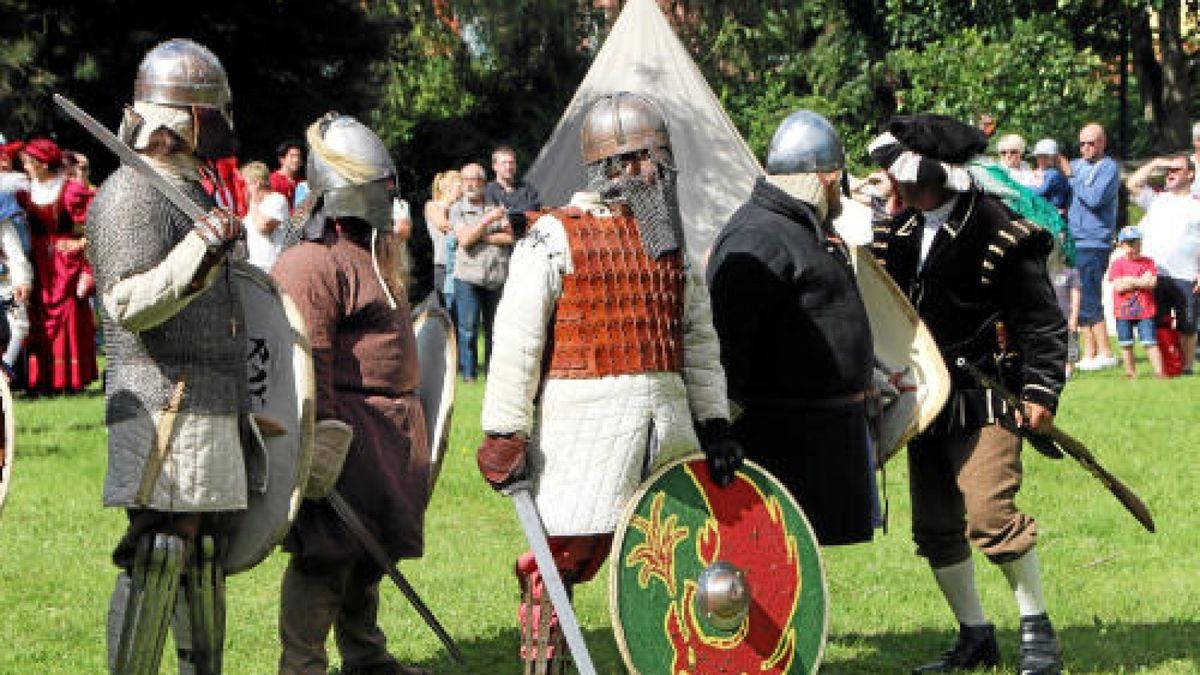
1092 218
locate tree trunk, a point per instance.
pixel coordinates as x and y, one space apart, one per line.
1147 70
1174 132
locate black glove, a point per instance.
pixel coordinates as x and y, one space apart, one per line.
721 448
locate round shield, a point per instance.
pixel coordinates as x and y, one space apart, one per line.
902 340
438 354
10 438
716 580
279 370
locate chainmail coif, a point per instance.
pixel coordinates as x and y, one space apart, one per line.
656 206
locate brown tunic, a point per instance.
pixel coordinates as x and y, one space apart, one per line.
365 360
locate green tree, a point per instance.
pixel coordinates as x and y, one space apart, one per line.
1032 79
287 62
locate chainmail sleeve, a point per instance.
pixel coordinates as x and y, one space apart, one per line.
703 374
145 284
160 332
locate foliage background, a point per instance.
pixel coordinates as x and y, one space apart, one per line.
445 81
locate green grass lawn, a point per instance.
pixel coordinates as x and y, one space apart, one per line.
1123 600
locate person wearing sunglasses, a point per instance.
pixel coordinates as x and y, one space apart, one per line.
1011 149
1171 238
1092 219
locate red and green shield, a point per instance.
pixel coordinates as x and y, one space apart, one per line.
679 524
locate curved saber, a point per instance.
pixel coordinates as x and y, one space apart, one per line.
535 532
131 159
1068 444
375 550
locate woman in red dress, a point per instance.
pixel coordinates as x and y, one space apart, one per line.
62 334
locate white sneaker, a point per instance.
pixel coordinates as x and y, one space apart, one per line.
1107 362
1087 364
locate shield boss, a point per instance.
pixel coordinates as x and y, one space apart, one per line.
684 553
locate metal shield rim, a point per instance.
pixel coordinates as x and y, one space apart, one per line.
10 439
619 537
303 371
438 429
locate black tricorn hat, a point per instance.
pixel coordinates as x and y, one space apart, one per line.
938 137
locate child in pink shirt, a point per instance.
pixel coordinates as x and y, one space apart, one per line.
1133 277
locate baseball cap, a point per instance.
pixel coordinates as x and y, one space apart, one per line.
1129 233
1046 146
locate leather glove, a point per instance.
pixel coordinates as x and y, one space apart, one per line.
721 448
219 230
502 460
331 443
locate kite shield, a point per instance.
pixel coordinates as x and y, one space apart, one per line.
279 370
717 580
9 439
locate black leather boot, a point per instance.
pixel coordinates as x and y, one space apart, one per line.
1039 652
975 647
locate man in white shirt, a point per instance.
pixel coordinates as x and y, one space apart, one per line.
1171 238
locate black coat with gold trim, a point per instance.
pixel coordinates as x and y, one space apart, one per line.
984 293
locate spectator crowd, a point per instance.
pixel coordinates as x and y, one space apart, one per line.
1153 267
50 338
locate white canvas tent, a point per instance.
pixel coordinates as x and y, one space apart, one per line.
642 54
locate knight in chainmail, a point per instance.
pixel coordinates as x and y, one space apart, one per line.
176 390
606 364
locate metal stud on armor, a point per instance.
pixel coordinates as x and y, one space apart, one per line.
619 311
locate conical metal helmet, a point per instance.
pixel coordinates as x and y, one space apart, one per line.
349 164
805 142
181 72
620 123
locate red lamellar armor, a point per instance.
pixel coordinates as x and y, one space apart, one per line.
621 312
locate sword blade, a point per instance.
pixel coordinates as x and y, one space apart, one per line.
535 532
355 524
130 158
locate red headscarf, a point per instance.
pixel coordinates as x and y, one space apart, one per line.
10 150
44 150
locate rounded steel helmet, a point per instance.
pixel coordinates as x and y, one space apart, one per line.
805 142
620 123
181 72
349 164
